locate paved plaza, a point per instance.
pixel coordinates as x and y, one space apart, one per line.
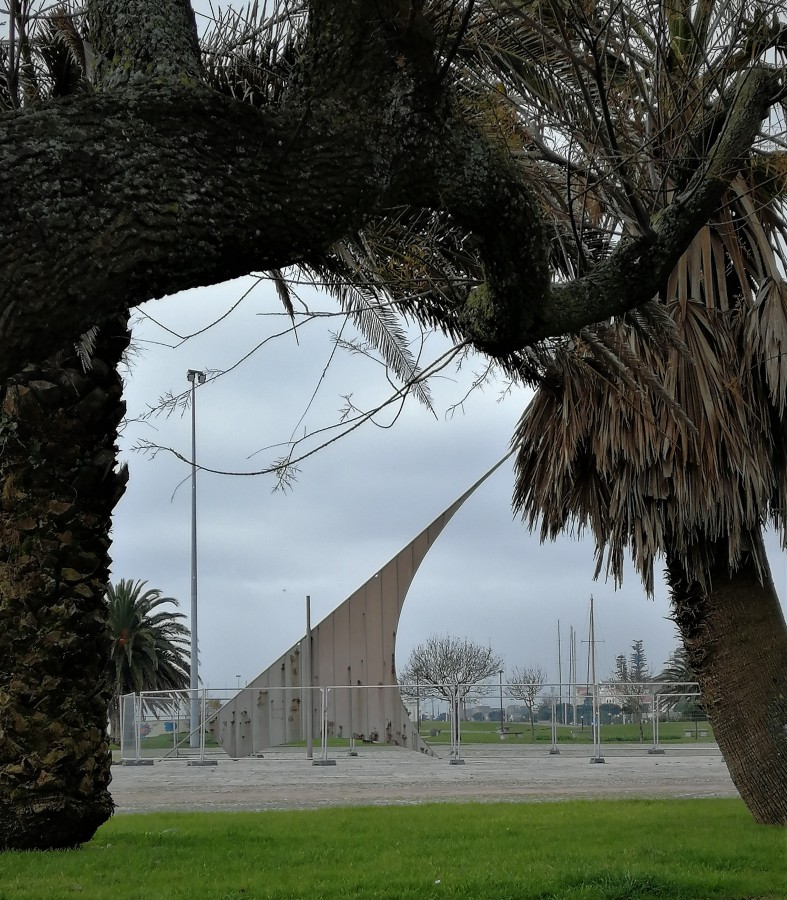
285 779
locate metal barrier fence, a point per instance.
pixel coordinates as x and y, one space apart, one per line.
253 720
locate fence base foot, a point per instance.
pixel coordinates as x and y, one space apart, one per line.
202 762
554 752
456 762
597 759
655 751
352 752
136 762
323 762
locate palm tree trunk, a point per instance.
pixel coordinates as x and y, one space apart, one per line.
114 715
736 639
58 487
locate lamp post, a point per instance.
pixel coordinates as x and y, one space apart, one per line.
502 728
418 704
194 377
308 681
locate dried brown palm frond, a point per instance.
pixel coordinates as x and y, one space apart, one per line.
595 454
68 57
691 453
46 54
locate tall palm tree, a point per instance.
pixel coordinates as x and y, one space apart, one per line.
150 645
58 427
670 446
677 668
677 677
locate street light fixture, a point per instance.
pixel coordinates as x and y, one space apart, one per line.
194 377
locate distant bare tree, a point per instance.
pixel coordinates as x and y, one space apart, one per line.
525 684
448 667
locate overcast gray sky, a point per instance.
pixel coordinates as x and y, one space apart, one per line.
355 504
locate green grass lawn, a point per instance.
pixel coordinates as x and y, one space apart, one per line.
520 733
593 849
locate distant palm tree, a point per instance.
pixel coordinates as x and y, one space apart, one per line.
149 647
677 678
677 669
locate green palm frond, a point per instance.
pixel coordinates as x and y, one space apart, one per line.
149 644
372 311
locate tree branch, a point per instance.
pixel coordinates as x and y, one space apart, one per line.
636 272
161 185
104 205
517 305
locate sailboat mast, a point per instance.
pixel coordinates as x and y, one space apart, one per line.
559 673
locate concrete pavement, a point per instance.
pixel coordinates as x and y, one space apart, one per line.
285 779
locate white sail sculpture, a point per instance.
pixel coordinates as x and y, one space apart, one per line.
353 652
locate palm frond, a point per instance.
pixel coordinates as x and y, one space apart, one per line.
250 53
149 643
766 339
374 314
86 346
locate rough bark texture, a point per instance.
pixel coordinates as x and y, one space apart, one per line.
58 427
736 641
157 184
